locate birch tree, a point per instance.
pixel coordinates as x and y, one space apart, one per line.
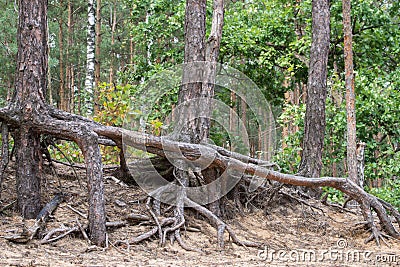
90 58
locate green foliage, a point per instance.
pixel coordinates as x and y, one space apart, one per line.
70 152
8 48
334 195
268 41
113 105
389 192
157 31
259 39
288 157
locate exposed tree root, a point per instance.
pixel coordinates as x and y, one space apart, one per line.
220 225
87 133
325 202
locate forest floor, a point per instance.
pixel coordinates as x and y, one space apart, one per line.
294 234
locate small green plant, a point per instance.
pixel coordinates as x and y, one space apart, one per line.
113 102
334 195
390 192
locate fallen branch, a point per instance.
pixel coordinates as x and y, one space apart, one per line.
162 145
40 222
6 207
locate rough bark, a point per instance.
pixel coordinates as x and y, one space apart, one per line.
350 94
192 128
221 158
29 117
314 123
40 223
212 47
75 127
4 152
29 96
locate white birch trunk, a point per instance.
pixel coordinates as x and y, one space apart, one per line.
90 58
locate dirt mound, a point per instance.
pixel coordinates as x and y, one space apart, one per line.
294 234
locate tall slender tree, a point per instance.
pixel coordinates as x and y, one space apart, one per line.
90 57
314 122
350 94
97 65
63 99
113 21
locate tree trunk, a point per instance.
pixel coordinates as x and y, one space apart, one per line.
61 58
195 118
131 44
97 53
113 16
350 94
29 99
29 116
69 98
90 58
314 123
192 128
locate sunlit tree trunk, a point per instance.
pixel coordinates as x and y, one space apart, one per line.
350 94
90 58
97 53
113 15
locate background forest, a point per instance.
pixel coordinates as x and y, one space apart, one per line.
269 41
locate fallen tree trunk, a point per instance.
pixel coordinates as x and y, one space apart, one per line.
222 158
82 130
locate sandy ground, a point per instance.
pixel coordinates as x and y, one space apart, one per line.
293 234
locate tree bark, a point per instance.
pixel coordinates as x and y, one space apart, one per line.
222 158
90 58
97 53
69 98
113 15
314 123
28 99
350 94
29 116
191 127
4 152
61 58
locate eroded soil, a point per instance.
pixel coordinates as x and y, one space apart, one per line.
294 234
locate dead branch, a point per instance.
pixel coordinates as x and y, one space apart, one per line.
40 222
6 207
77 211
66 231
